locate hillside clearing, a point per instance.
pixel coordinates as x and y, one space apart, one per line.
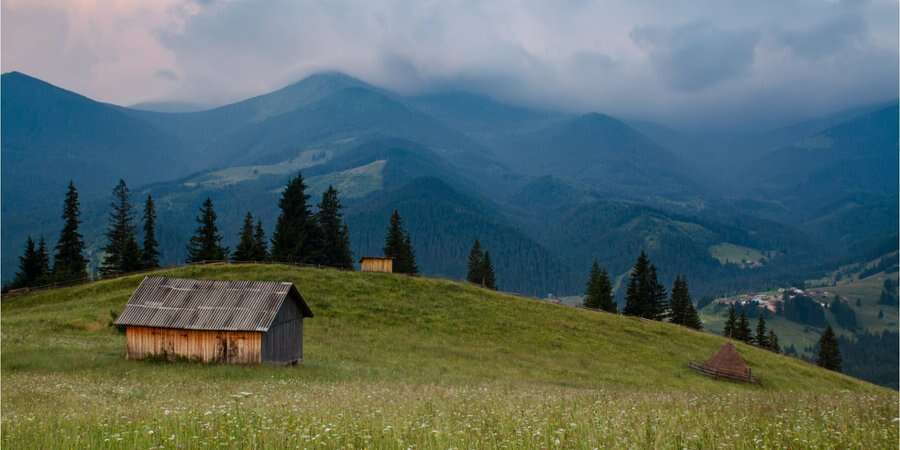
395 362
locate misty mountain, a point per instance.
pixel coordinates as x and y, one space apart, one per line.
857 156
546 192
602 153
169 106
51 135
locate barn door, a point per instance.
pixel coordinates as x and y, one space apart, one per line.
221 348
235 345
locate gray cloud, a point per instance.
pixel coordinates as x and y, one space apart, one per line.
825 38
166 74
697 55
708 63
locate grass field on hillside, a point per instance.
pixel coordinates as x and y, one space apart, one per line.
399 362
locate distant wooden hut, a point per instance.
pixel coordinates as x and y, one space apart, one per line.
726 363
240 322
376 264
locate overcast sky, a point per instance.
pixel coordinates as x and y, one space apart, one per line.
698 64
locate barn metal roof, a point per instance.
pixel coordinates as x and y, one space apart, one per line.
380 258
208 304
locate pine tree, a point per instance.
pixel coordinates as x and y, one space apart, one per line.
677 306
743 329
657 301
206 244
474 273
69 262
150 250
773 342
829 354
292 240
28 267
762 338
397 245
487 268
409 257
731 324
131 255
637 293
335 234
681 306
245 250
121 254
43 263
598 293
260 247
692 319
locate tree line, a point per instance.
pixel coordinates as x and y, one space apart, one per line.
645 296
300 236
738 327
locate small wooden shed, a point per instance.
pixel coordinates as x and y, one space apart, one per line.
376 264
239 322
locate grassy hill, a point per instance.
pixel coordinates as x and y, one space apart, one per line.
395 362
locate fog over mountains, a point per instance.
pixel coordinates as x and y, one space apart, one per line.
546 191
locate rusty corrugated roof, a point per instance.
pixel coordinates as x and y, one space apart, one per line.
208 304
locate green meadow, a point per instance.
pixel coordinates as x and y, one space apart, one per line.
398 362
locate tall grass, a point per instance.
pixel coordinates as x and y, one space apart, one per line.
397 362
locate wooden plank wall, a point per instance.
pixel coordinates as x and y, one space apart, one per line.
236 347
283 343
377 265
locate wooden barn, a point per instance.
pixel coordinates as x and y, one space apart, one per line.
239 322
376 264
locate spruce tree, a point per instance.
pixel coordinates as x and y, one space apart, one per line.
773 342
260 246
43 263
676 303
487 268
762 338
731 324
598 293
29 265
409 257
69 262
292 240
335 234
829 354
131 255
657 301
637 294
474 274
743 328
121 253
681 306
150 250
245 250
398 245
692 318
206 244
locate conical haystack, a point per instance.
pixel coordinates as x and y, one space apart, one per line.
727 361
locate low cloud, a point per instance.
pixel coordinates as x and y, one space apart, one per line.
697 55
166 74
710 63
